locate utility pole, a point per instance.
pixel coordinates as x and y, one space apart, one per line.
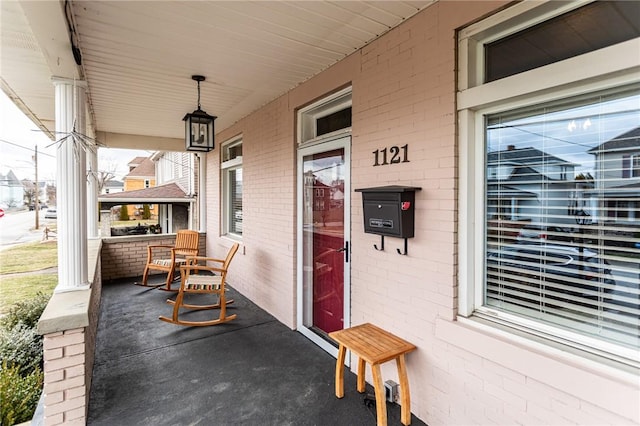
36 205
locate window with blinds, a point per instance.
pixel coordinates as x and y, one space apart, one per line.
231 168
562 200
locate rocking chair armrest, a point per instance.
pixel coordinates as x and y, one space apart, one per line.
151 249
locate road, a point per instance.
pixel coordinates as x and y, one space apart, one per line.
18 227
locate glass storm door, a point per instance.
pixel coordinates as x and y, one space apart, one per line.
323 240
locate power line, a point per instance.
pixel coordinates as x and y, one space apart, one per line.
28 149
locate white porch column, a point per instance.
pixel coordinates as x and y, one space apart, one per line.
92 194
71 186
202 192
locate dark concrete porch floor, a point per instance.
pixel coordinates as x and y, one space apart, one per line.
250 371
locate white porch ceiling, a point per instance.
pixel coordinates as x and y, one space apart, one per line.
138 56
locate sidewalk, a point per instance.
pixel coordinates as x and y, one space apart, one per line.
33 235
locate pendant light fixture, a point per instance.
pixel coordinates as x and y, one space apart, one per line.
199 128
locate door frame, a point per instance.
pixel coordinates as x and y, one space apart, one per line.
337 142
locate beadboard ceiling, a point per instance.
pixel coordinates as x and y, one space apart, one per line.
138 56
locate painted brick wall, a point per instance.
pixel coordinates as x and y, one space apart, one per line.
125 257
64 369
91 330
68 359
404 86
265 268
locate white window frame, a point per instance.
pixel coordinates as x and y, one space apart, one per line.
308 116
635 166
225 168
602 69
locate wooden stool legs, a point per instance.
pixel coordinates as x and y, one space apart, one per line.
381 401
378 385
405 395
340 371
361 374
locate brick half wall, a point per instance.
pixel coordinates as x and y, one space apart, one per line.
69 327
125 257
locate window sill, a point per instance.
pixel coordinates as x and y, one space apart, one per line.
598 381
234 238
227 240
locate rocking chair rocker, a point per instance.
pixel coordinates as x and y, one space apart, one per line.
192 281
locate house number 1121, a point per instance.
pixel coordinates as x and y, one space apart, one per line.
396 155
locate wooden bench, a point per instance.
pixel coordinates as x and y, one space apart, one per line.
373 345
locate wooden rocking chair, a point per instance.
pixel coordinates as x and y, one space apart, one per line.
168 258
194 282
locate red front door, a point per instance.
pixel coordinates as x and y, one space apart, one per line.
324 240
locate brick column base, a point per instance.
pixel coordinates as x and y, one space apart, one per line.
65 399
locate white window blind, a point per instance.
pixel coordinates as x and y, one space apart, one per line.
562 201
235 201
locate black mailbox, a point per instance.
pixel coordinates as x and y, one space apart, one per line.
389 210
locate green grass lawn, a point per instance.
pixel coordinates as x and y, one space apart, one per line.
25 259
29 257
17 288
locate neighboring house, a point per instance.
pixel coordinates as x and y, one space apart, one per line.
526 184
141 175
618 174
11 190
179 169
113 187
174 195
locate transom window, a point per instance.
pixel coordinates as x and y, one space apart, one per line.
329 116
594 26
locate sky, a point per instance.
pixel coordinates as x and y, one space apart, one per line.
19 137
567 132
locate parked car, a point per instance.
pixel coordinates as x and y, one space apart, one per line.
51 214
566 274
541 233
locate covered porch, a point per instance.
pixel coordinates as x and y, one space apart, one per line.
316 102
253 370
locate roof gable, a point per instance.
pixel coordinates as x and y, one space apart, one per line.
525 156
146 169
626 141
157 193
10 179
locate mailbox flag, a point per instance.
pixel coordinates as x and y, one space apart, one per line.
406 205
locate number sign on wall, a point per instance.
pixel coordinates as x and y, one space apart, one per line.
395 155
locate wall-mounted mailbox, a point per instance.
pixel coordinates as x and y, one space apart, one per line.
389 210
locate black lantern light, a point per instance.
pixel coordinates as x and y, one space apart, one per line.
199 126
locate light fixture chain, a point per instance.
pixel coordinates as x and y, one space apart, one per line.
199 94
